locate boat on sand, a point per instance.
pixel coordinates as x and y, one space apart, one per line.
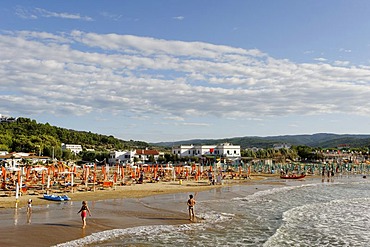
56 197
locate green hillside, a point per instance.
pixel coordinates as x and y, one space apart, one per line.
321 140
26 135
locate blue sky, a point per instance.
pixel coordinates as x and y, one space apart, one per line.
177 70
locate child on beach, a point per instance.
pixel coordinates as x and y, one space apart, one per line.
84 210
191 204
29 206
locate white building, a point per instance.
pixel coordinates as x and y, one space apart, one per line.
16 159
74 148
142 155
227 150
281 146
253 149
121 157
6 119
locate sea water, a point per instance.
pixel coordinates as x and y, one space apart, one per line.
327 213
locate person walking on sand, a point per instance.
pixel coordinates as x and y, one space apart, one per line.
29 206
191 204
84 210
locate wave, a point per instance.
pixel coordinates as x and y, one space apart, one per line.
343 222
148 233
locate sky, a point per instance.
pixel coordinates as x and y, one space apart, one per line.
171 70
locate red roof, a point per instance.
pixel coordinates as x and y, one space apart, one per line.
147 152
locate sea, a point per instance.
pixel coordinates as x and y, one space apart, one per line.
333 212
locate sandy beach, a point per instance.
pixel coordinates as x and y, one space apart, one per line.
52 223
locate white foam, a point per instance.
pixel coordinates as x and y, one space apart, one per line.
209 220
341 222
261 195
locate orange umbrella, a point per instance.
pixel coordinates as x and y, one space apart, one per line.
4 172
87 173
28 169
115 177
122 172
43 177
104 173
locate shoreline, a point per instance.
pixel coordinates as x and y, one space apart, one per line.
128 191
111 209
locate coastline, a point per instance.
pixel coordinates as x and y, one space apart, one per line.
131 191
121 207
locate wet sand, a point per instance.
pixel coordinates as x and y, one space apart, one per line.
57 223
53 223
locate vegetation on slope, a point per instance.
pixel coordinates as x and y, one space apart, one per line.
26 135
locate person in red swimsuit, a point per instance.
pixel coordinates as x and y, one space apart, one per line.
84 210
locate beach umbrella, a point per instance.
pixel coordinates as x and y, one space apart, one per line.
94 177
122 172
87 174
104 173
3 172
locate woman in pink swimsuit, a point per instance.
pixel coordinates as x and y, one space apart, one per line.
84 210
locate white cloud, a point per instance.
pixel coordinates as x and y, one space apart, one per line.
320 59
196 124
80 73
36 13
341 63
179 18
345 50
111 16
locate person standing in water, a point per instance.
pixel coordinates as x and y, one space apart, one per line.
29 206
191 204
84 210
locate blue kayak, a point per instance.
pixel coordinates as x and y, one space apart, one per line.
53 197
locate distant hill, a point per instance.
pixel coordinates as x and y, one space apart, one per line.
26 135
323 140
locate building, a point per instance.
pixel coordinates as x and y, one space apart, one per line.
16 159
281 146
74 148
5 119
123 157
344 147
253 149
227 150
